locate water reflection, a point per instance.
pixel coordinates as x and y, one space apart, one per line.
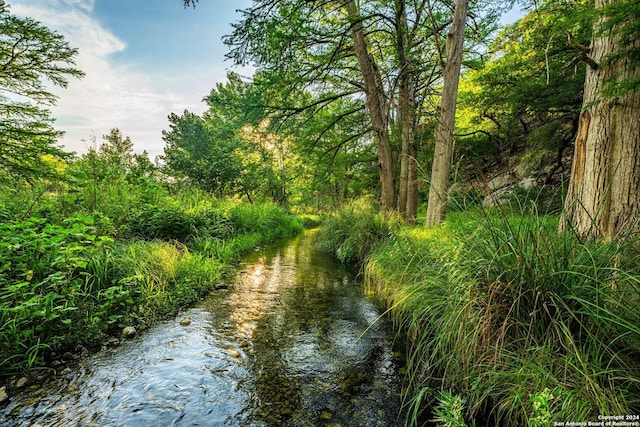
291 344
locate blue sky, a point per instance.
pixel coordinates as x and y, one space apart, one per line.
143 58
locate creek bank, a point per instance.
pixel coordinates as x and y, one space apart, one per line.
57 362
481 298
294 343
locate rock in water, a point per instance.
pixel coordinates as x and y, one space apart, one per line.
186 321
21 382
3 394
129 332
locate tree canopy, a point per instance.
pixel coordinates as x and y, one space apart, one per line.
32 58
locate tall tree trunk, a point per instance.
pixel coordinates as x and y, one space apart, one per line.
444 135
407 198
412 181
602 199
376 106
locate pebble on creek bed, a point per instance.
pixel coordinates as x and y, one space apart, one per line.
129 332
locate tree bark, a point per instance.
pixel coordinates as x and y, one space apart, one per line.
444 135
602 198
376 106
407 198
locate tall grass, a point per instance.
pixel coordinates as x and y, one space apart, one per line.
267 219
500 309
354 231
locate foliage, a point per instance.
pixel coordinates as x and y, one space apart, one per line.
200 153
230 149
355 230
31 56
109 182
65 284
267 219
540 414
170 220
44 274
497 309
449 411
524 96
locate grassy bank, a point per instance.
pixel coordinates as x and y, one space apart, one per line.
70 281
507 321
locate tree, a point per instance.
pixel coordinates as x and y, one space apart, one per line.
30 56
602 200
444 134
376 103
199 153
347 51
231 149
527 95
385 54
117 150
408 189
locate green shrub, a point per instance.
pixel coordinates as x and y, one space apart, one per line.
43 270
172 221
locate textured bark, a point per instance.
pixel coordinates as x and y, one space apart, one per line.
602 199
412 181
407 198
376 106
444 134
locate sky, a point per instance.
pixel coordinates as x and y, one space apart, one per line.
143 60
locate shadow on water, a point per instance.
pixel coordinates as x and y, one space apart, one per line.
294 342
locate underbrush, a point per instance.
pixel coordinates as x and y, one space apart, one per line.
506 321
354 231
67 284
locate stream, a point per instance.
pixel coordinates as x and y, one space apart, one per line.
293 342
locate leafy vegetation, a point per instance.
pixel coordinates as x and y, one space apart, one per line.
32 58
70 280
352 232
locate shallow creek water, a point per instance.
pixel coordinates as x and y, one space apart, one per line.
294 342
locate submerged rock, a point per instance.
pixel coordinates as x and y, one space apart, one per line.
129 332
186 321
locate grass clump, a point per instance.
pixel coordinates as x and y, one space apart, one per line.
355 230
500 309
267 219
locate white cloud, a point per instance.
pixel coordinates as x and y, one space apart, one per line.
112 95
